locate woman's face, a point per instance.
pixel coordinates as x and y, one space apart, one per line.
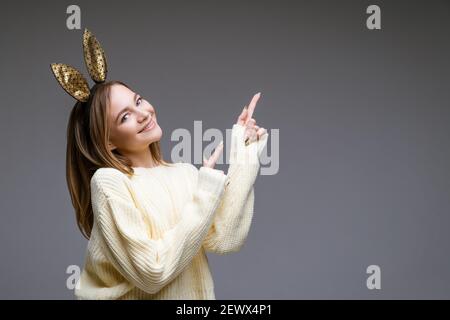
128 115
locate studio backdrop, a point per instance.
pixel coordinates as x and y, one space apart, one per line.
352 200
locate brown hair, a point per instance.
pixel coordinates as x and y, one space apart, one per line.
87 151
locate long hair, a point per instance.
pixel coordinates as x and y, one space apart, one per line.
87 151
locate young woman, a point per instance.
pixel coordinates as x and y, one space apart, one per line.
150 222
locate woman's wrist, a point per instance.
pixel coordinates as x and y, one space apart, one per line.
240 153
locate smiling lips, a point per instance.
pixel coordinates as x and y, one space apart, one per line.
148 127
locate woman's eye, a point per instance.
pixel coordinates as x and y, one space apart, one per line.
123 118
138 102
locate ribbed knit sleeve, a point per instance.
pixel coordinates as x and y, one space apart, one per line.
234 214
151 264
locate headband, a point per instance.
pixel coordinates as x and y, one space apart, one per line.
72 81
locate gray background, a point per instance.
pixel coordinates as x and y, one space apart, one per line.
363 117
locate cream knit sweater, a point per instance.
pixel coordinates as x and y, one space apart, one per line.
151 230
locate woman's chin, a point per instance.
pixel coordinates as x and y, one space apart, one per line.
152 136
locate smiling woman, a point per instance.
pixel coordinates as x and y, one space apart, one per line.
96 140
149 222
133 126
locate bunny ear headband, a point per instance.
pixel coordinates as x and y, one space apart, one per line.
72 81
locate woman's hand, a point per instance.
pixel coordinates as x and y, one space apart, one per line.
252 132
211 162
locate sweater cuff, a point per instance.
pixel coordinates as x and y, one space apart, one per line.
245 154
211 181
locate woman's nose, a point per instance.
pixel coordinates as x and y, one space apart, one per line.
143 114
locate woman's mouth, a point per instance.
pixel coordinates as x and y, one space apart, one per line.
148 127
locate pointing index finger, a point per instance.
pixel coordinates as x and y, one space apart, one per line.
215 156
252 105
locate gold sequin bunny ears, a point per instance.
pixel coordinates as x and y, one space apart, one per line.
72 81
